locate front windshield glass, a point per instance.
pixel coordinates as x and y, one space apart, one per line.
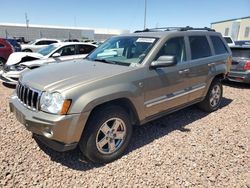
32 42
124 50
47 50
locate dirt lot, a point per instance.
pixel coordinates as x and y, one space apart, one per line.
188 148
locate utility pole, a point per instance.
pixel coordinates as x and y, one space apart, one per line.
27 25
145 14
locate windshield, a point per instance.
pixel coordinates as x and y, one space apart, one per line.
32 42
47 50
124 50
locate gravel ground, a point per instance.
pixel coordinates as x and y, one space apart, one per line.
188 148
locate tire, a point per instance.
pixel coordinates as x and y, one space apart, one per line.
213 98
2 62
107 134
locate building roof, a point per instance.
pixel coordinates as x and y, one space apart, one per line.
96 30
231 20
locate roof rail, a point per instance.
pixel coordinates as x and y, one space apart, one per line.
187 28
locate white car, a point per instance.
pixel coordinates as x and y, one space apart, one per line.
21 62
229 40
36 45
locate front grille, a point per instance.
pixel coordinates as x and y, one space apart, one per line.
28 97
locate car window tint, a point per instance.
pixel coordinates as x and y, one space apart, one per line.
199 47
66 50
85 49
174 47
218 45
1 45
241 52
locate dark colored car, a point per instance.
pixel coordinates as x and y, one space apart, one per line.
240 69
5 50
15 44
243 42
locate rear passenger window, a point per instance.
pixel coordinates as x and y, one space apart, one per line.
199 47
218 44
85 49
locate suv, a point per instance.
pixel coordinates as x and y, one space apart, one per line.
128 80
36 45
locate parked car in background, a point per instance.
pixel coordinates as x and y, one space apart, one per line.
36 45
242 43
229 40
240 69
5 50
15 44
21 62
129 80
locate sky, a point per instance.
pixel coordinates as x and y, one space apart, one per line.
122 14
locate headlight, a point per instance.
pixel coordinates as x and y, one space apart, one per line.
54 103
20 67
16 68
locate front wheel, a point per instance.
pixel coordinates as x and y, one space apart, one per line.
213 98
107 135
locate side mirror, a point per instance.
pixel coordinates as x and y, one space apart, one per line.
56 55
164 61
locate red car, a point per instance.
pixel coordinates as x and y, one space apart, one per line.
5 50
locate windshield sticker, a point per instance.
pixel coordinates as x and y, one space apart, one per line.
148 40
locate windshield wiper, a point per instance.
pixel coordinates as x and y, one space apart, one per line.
105 61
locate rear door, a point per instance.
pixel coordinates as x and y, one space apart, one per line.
200 64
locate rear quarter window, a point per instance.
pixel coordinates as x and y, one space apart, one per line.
199 47
218 45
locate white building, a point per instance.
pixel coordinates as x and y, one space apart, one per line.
10 30
238 29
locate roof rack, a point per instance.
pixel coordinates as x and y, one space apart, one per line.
187 28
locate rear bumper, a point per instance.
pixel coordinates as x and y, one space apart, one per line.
59 132
237 76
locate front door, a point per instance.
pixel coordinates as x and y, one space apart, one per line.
166 88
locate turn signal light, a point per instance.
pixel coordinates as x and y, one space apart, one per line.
247 65
65 108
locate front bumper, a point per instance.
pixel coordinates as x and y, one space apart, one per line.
59 132
9 78
238 76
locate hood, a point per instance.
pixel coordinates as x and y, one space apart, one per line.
18 57
63 76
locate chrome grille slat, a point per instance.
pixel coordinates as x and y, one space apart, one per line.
28 97
32 98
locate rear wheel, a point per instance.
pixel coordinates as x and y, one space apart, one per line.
213 98
107 134
2 62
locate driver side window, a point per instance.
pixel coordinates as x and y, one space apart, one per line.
66 50
174 47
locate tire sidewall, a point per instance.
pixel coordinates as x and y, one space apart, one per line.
215 83
90 150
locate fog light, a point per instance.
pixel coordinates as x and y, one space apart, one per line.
47 132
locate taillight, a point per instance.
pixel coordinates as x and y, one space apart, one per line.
247 65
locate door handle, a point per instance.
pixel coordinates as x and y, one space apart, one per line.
184 71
